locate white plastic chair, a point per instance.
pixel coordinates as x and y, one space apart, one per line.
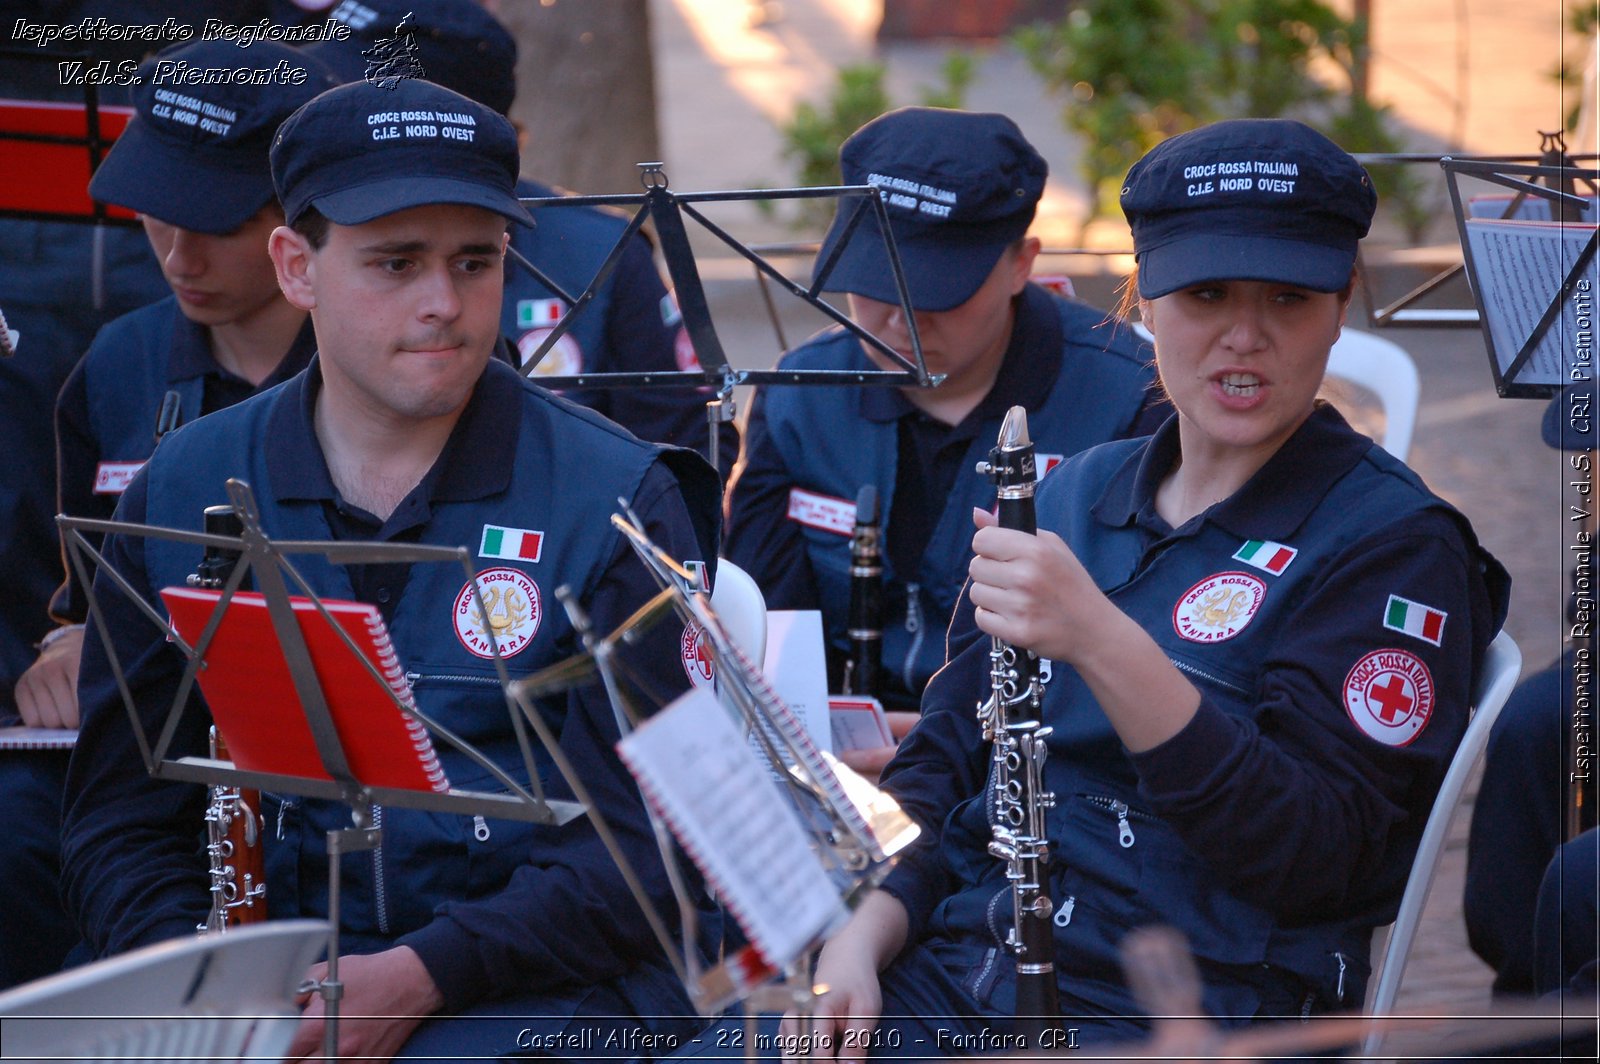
1383 368
742 608
1501 667
218 998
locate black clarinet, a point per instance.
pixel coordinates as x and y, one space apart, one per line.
1017 798
864 669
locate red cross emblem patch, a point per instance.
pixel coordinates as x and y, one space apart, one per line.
695 649
1390 696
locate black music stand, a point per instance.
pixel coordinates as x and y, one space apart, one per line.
1517 371
855 835
666 210
269 562
1403 311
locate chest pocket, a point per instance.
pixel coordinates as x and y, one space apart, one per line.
1119 864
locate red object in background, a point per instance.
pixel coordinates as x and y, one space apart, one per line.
967 19
48 178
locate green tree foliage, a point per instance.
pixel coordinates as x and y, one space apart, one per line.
1583 21
1134 72
812 137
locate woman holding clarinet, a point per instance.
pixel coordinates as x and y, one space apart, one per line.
1256 634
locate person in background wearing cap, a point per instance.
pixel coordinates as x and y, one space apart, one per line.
1264 632
997 339
1518 815
632 324
405 429
203 190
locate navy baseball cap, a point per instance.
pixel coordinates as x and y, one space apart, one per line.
959 188
459 45
1253 199
196 155
362 151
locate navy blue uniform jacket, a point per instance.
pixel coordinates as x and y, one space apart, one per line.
1277 828
490 908
107 410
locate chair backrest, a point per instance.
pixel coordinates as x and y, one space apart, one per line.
1501 667
213 998
1383 368
742 609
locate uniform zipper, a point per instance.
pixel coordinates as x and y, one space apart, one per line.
380 895
914 626
480 829
989 914
413 677
1122 811
283 809
1339 990
1184 666
1063 915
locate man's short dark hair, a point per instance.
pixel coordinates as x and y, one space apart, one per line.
313 225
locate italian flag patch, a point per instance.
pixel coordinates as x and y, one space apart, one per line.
1266 555
1413 618
521 543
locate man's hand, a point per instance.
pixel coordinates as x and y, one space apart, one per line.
47 694
392 987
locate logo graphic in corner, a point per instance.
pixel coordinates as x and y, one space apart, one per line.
1390 696
512 601
696 652
1218 607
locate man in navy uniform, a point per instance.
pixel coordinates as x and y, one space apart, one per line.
960 190
632 323
193 164
405 429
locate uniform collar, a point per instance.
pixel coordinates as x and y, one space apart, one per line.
189 352
1273 504
475 463
1028 369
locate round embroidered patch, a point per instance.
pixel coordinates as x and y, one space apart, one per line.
696 652
565 359
512 600
1218 607
1389 694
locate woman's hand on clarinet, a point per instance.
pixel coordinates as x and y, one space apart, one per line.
1031 591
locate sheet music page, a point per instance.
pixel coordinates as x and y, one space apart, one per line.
1520 267
797 668
696 768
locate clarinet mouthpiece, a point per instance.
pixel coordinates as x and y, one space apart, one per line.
1014 429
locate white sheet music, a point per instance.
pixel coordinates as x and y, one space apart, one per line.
797 667
697 770
1520 267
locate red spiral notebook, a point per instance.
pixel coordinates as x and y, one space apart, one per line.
247 685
